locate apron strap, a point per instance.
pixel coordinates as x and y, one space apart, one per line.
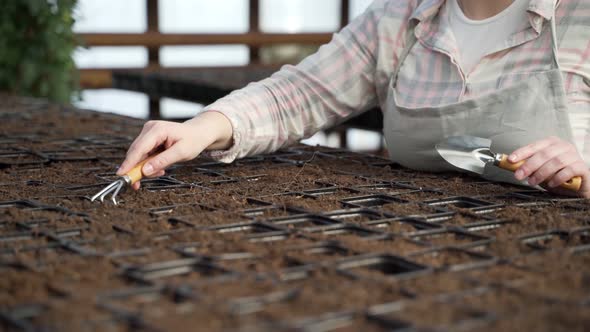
554 43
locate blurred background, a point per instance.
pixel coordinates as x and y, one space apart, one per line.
166 59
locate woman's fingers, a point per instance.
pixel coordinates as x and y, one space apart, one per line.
170 142
548 171
546 163
552 162
577 168
137 184
155 175
537 154
165 159
158 135
142 146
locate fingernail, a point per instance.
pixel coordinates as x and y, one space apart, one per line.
518 174
551 184
148 169
512 157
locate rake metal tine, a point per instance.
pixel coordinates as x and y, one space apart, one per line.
119 187
101 194
131 177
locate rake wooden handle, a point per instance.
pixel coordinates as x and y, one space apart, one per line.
573 184
135 174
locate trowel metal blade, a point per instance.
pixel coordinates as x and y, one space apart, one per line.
466 152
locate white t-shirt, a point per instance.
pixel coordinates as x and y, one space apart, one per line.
476 38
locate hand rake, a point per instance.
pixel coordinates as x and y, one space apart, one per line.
130 178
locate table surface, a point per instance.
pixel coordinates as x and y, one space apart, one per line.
208 84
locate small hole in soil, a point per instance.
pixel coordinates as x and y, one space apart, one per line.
390 324
384 265
430 314
177 223
549 240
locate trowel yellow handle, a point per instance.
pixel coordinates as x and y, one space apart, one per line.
573 184
136 174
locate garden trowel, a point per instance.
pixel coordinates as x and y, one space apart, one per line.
473 154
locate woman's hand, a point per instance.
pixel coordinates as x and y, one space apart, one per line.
552 161
179 141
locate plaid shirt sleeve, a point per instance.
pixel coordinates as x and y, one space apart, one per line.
328 87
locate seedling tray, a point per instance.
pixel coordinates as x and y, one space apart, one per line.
405 316
371 266
21 157
447 237
307 238
302 221
403 225
180 268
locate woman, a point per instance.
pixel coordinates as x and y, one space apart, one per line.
516 72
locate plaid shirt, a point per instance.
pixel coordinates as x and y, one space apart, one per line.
352 73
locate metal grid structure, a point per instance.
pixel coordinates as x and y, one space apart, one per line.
308 238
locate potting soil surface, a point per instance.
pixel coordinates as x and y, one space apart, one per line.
307 238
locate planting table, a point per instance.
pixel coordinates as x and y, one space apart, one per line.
207 84
307 238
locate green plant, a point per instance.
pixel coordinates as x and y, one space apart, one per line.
36 45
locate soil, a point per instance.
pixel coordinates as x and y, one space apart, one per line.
261 243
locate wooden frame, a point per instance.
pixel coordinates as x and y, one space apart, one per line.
153 40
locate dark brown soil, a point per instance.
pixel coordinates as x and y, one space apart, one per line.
271 242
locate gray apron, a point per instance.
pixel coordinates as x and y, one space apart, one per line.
511 118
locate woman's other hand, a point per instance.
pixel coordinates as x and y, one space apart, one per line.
177 142
552 162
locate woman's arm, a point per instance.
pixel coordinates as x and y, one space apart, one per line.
329 86
335 83
180 141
